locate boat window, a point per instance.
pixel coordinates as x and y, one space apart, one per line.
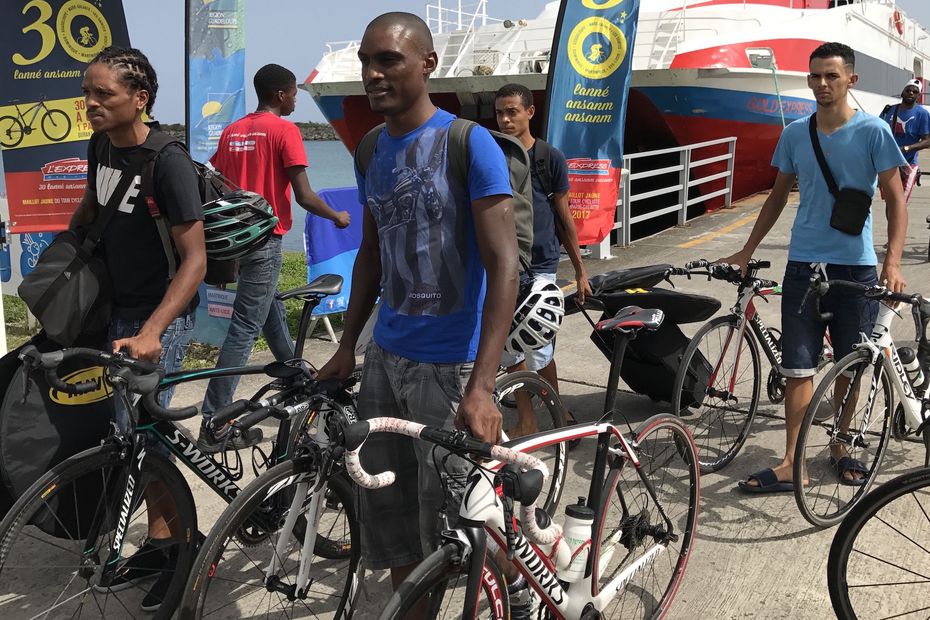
760 57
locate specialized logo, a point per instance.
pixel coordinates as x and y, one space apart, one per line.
72 168
92 34
127 505
596 47
103 390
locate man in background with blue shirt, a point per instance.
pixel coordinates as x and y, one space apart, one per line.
910 125
441 252
857 148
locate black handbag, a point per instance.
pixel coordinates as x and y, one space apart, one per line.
851 207
69 291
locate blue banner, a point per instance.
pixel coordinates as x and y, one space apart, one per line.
215 71
589 79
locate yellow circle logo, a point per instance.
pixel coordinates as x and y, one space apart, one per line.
91 38
596 48
600 6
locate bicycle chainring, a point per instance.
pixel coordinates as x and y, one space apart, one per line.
775 386
899 429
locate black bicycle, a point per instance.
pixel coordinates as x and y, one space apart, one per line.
69 542
54 123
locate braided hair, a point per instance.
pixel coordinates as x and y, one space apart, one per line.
134 69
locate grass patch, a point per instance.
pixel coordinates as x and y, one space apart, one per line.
17 329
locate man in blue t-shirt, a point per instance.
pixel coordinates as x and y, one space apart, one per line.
553 227
910 125
910 122
857 148
441 252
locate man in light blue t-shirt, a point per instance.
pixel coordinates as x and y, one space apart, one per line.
441 252
858 149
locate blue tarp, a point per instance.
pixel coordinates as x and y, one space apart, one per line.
333 250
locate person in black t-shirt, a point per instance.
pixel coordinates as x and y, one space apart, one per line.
152 314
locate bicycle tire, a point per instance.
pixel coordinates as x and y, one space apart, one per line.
58 484
667 454
217 569
714 416
433 577
63 122
892 564
824 490
12 131
546 403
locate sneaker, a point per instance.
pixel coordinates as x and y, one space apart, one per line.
146 563
156 594
521 599
216 440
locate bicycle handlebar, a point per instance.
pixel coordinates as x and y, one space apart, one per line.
142 377
454 441
820 287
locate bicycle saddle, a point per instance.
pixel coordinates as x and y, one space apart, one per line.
632 319
326 284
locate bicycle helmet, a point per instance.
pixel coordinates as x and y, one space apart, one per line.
237 224
537 318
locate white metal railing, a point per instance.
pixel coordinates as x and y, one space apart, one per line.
686 164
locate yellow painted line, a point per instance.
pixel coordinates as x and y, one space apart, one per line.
717 233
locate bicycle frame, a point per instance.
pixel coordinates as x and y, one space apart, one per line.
481 514
35 109
882 350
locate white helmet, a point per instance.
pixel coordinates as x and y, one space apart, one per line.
537 318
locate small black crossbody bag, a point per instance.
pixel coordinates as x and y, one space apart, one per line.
850 206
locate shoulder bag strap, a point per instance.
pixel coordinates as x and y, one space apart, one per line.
106 212
827 175
156 142
541 168
894 120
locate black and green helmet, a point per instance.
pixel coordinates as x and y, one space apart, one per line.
237 224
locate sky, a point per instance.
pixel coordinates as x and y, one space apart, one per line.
292 33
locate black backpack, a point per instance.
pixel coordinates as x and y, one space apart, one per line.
518 162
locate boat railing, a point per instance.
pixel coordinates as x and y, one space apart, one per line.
693 160
442 18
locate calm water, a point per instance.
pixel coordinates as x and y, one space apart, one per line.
330 166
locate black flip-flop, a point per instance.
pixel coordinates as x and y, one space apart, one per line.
768 483
849 464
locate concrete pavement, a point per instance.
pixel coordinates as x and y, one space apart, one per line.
755 557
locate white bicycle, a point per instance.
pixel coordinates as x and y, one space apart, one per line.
622 553
844 433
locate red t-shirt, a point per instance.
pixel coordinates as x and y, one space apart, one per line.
255 151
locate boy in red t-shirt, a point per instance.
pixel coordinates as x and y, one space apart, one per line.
262 153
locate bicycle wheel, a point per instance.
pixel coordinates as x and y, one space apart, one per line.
56 125
717 390
878 559
852 421
11 131
630 549
49 567
531 391
228 578
439 584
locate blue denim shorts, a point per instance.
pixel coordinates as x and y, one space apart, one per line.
802 334
174 344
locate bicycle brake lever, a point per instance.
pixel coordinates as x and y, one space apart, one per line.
511 535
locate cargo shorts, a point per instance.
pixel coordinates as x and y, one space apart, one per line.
400 524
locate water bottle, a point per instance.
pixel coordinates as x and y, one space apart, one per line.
576 531
911 366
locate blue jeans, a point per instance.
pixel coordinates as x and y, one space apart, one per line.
802 334
174 344
254 310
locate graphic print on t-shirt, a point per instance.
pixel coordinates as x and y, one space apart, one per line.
107 180
901 126
423 236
